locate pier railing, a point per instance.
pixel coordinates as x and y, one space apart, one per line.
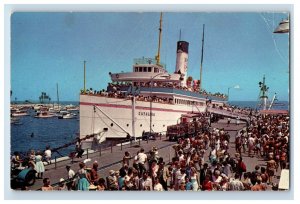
117 148
111 147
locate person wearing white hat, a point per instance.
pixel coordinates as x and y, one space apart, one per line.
62 185
112 183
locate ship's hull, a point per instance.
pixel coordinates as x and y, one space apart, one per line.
114 115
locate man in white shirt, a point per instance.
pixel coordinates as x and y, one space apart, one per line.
142 159
157 185
48 154
71 178
146 182
251 142
236 184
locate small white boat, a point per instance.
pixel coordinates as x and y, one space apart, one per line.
68 116
71 107
19 113
44 114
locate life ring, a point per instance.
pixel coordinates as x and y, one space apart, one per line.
117 76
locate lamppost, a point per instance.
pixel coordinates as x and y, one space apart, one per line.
151 99
235 87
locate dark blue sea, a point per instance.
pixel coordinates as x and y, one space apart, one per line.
278 105
37 133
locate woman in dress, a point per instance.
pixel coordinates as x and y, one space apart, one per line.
194 179
83 183
39 165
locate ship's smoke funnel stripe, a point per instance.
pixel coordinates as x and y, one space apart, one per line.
182 46
182 60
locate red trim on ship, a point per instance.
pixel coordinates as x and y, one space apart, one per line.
129 107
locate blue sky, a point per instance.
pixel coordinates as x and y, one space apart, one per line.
49 48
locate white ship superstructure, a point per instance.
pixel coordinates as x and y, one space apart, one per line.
146 99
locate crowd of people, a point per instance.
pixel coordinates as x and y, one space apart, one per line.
268 138
201 163
33 160
114 91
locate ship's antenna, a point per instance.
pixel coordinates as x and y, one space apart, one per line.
201 59
57 96
159 41
180 35
84 89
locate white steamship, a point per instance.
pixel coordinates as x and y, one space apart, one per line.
146 99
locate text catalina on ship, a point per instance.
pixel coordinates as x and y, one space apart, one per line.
146 99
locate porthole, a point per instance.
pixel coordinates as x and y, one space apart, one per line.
141 125
127 125
153 125
111 124
164 125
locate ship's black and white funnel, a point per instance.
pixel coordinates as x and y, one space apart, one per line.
182 60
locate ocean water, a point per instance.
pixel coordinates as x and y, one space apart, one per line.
37 133
279 105
57 132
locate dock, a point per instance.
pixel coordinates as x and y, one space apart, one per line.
111 158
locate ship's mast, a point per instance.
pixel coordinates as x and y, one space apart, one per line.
57 96
84 90
159 41
201 59
263 93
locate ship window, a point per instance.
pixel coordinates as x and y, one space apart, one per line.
141 125
155 70
111 124
140 69
153 125
164 125
149 69
127 125
145 69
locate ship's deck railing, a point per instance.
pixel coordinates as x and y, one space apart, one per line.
144 60
174 91
121 92
122 95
